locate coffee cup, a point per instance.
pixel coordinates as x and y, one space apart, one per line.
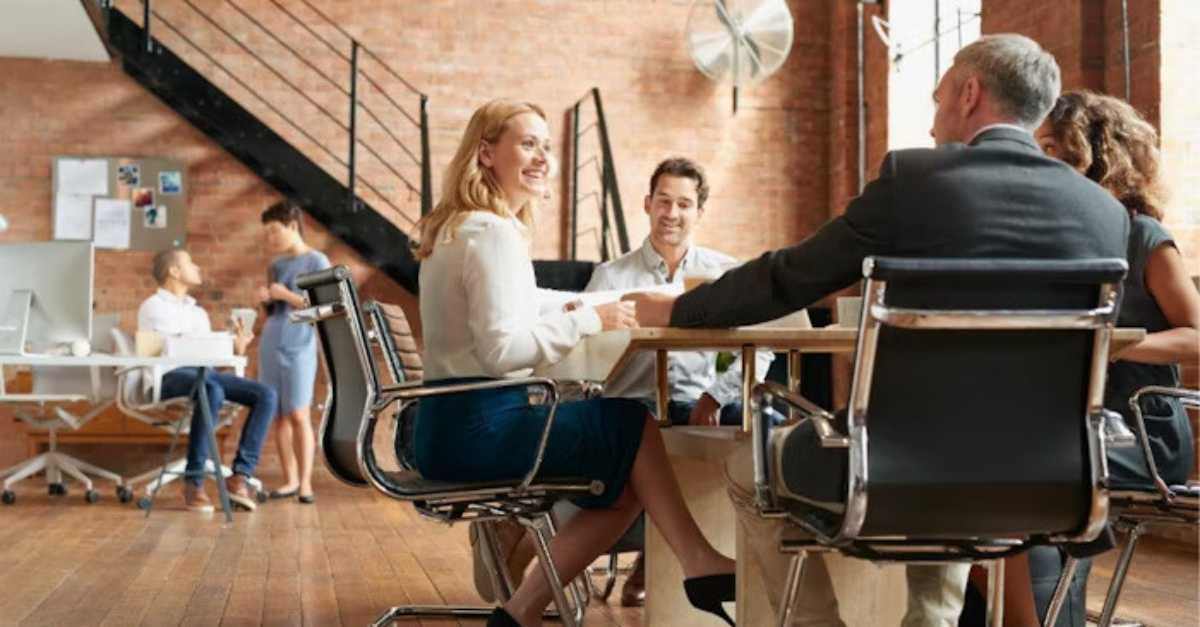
849 311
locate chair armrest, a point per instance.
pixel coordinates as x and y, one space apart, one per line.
312 315
416 391
822 420
1188 397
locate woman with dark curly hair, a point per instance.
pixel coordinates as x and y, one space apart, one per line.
1106 140
1109 142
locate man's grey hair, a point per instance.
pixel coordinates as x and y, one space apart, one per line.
163 262
1021 78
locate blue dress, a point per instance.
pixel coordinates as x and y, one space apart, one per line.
287 352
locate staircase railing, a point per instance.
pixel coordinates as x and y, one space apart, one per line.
608 197
350 89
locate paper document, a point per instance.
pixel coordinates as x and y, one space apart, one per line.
591 299
83 176
72 216
111 224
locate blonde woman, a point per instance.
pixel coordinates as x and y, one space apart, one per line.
482 319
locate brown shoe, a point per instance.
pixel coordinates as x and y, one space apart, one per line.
239 493
633 593
195 500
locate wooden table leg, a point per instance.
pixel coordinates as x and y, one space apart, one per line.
749 378
663 397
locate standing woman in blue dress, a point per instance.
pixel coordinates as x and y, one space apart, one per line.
287 354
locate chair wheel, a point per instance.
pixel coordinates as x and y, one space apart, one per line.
144 503
91 496
56 489
8 497
124 494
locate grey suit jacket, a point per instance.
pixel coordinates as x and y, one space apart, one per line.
998 197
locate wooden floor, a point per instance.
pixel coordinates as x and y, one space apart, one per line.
340 562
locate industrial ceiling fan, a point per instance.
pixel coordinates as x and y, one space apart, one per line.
742 41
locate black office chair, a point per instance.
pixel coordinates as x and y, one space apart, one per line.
347 435
1131 510
982 384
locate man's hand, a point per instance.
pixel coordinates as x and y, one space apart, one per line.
242 337
653 308
706 412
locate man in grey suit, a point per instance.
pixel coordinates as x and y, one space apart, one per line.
986 190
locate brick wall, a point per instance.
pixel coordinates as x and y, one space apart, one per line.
772 165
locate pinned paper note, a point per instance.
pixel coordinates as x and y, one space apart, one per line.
111 223
83 176
72 216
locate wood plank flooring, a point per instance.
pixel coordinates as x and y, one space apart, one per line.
340 562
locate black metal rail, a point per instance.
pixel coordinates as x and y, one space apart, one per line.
608 198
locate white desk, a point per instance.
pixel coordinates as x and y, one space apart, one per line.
159 366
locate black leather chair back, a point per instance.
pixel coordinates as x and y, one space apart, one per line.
348 366
982 430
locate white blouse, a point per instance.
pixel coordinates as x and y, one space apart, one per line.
482 313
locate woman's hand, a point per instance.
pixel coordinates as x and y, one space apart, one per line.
242 337
617 315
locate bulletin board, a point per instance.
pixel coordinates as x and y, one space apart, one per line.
120 203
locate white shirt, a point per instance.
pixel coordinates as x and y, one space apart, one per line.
998 125
168 314
481 310
690 374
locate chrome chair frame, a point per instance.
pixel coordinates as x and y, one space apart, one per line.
528 500
847 539
1133 510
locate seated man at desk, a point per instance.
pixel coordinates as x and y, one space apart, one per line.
699 395
170 311
977 194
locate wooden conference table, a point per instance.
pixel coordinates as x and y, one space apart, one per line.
869 595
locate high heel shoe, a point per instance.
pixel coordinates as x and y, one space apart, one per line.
501 618
708 593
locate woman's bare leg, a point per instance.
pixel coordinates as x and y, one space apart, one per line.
651 484
654 482
287 455
305 447
578 542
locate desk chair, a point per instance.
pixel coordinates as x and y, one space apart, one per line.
139 396
1131 510
55 386
981 382
347 436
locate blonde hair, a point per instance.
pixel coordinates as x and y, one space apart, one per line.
470 186
1108 141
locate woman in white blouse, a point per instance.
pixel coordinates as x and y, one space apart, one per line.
482 320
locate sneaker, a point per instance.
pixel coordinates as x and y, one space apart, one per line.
508 535
195 500
240 494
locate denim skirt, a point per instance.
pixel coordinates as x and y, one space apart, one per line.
493 435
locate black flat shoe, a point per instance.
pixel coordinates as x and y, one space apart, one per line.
501 618
276 494
307 499
708 593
